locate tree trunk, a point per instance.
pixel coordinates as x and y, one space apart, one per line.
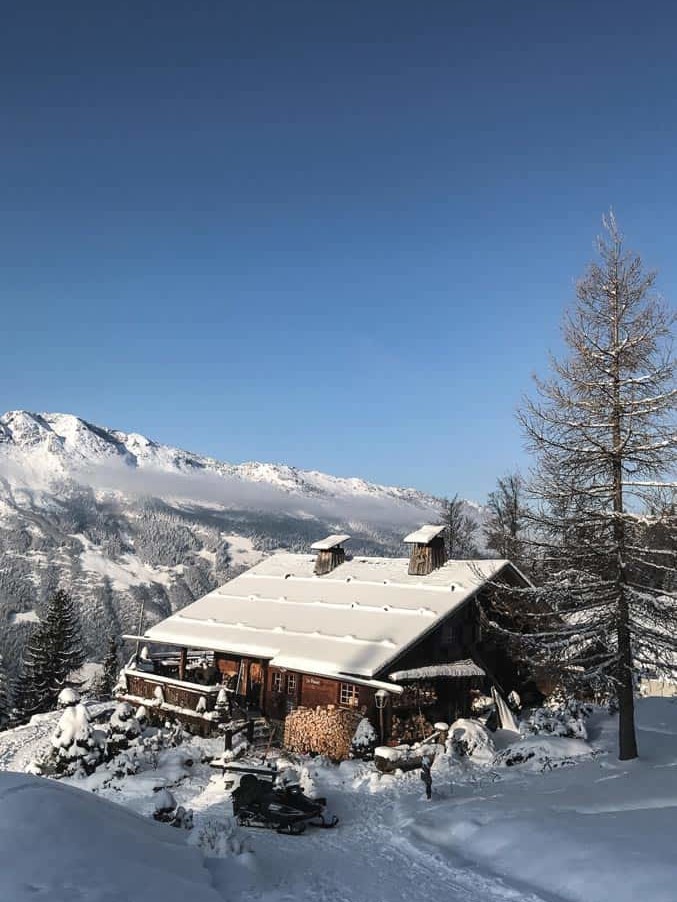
627 741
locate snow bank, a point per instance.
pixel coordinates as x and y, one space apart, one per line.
600 830
63 844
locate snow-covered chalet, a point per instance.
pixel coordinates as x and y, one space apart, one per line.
328 629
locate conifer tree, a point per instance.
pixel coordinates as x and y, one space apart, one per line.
111 667
53 651
5 705
602 429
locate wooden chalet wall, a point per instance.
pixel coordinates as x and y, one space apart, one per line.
287 689
454 639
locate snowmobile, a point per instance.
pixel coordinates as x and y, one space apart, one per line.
259 803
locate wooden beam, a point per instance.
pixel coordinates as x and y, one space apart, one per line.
264 684
183 661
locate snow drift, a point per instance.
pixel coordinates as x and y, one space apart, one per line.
63 844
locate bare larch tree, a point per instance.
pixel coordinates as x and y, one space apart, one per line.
602 429
504 529
460 530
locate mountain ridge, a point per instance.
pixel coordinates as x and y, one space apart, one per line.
60 436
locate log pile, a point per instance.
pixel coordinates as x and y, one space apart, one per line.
411 729
324 730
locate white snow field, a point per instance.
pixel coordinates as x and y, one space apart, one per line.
63 844
571 824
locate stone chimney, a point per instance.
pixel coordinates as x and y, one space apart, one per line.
330 553
427 550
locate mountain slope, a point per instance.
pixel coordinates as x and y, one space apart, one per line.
116 518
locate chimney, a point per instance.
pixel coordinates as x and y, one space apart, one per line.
330 554
427 550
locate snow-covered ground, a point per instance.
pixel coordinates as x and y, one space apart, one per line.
571 824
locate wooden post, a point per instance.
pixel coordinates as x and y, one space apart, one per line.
264 683
183 661
244 683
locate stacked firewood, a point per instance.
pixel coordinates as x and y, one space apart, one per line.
411 729
325 730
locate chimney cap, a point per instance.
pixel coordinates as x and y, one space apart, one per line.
424 535
329 543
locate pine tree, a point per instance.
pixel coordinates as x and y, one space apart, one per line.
460 530
5 705
602 429
54 650
111 668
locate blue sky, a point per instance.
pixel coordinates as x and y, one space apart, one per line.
333 234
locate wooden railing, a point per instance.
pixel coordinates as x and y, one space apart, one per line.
177 693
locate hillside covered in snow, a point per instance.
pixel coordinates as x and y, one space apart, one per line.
116 518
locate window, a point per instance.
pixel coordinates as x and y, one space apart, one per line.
291 684
349 695
277 681
447 637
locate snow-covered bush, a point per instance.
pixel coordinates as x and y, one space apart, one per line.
122 728
364 741
222 838
481 704
68 697
469 739
560 717
75 746
167 811
543 753
163 804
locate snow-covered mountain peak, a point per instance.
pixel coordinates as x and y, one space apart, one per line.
58 445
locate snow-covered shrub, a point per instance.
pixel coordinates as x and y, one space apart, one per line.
201 706
167 811
561 717
158 696
469 739
222 704
68 697
75 747
122 728
222 838
364 741
543 753
164 804
480 704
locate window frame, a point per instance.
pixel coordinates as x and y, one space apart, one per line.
349 695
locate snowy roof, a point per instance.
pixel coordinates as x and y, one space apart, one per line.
423 535
452 670
354 620
329 543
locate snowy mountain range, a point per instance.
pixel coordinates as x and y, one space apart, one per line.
116 517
